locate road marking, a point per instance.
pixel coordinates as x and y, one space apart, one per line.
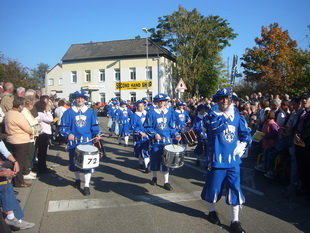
83 204
242 186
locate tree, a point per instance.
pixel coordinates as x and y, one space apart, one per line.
196 41
275 65
15 72
39 73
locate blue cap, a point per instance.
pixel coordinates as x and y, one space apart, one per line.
139 101
80 93
123 102
180 103
200 106
161 97
115 102
220 93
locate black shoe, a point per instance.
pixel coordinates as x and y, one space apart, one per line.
153 181
119 143
213 218
77 184
147 170
167 186
86 191
235 227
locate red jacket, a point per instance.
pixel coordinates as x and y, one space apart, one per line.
271 130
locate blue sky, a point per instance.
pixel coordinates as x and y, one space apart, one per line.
35 31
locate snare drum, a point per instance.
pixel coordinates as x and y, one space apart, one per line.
101 149
86 157
189 136
173 156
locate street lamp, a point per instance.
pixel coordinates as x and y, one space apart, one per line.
147 62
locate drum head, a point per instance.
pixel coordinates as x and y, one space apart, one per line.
87 149
174 148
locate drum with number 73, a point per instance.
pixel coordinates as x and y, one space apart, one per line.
86 157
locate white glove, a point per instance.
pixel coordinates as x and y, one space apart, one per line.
240 148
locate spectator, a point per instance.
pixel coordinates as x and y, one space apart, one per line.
42 142
59 111
271 131
10 204
34 123
302 142
18 140
21 91
7 97
280 115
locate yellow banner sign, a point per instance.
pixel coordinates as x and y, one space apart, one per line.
134 85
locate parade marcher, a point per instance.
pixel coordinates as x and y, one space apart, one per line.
122 116
111 115
160 126
182 119
79 125
200 131
141 140
228 137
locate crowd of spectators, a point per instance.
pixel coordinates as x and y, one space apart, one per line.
27 129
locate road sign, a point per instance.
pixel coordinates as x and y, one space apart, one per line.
181 85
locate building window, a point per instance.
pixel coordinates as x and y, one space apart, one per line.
149 73
101 75
87 76
117 96
73 77
51 82
117 74
102 97
133 97
132 73
60 81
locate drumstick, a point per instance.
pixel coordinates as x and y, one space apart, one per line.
90 139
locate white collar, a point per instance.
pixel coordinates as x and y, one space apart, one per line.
228 113
123 108
141 113
179 111
76 109
159 111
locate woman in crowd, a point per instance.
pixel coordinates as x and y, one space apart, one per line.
18 140
46 118
269 141
34 123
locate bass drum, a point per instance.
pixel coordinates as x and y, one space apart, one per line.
173 156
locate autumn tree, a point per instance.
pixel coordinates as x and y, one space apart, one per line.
39 73
15 72
196 41
275 65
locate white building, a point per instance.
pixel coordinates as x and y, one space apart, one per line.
113 69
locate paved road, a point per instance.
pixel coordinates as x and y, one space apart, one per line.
122 199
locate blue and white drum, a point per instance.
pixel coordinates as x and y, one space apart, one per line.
86 157
173 156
